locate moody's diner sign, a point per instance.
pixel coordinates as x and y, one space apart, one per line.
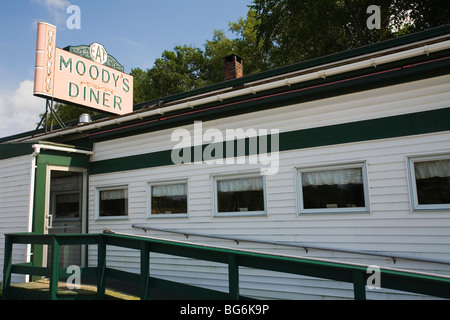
85 76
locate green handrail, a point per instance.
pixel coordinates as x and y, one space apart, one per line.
428 284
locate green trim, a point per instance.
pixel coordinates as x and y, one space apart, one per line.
389 127
83 51
15 150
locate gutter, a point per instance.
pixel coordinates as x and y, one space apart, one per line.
313 75
38 147
31 203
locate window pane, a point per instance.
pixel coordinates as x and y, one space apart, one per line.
342 188
245 194
113 203
169 199
433 181
67 205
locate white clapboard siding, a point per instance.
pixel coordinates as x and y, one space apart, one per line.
391 227
14 204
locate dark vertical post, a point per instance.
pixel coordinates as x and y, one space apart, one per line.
101 267
7 266
145 270
233 277
359 285
54 272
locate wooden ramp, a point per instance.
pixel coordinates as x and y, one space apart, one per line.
39 290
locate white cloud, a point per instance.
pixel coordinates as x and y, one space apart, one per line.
56 8
19 110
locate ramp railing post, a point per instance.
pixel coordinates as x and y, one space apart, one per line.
145 270
359 285
233 277
101 267
54 272
7 266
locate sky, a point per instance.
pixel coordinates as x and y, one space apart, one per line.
135 32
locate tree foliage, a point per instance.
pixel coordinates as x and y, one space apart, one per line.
296 30
186 67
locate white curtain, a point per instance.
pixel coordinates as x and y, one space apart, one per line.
429 169
332 177
114 194
243 184
169 190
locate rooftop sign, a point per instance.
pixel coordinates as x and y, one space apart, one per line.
82 81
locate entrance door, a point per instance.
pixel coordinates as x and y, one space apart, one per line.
65 209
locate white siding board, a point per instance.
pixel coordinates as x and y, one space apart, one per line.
14 205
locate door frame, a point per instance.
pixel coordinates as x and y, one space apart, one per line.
83 211
54 155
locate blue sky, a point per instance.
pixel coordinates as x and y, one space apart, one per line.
135 32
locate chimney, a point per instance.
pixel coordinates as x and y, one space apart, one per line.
233 67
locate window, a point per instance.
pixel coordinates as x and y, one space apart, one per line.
333 189
242 195
112 202
168 199
430 182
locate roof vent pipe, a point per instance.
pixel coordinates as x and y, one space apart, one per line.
84 118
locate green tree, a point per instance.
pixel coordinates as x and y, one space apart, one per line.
142 89
186 68
177 71
180 70
297 30
412 16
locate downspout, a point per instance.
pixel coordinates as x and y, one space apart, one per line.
34 155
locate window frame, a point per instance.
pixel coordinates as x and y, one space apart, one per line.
166 215
98 190
232 176
357 165
414 199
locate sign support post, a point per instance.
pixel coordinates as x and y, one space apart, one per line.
49 106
